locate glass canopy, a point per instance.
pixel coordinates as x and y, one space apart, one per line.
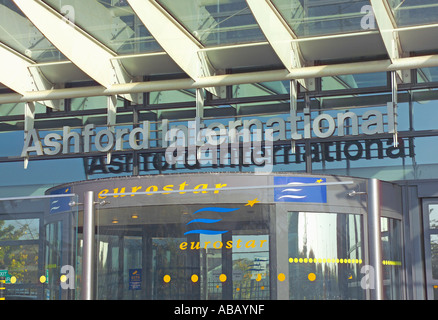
112 22
314 18
17 32
216 22
414 12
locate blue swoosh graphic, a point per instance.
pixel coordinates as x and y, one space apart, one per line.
205 220
216 209
205 232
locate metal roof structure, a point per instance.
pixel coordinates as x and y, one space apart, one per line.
126 47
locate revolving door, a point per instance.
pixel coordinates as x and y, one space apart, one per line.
244 237
167 252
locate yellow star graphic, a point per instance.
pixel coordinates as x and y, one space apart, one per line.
252 202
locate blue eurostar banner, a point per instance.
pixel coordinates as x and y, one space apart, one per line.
60 204
294 190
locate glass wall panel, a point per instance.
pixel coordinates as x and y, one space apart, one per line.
434 254
216 22
325 256
113 23
314 18
251 268
433 238
427 75
21 35
424 109
414 12
260 89
366 80
392 258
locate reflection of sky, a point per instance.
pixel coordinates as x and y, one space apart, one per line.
318 231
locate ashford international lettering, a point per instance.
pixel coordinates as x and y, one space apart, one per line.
197 133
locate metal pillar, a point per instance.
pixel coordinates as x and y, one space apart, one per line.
89 250
375 240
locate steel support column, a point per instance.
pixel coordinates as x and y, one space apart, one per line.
375 240
88 249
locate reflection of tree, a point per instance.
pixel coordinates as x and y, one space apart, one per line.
432 222
434 254
243 266
249 288
17 259
170 260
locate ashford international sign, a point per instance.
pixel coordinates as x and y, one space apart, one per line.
199 142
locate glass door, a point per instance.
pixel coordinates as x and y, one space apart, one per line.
183 252
37 247
430 220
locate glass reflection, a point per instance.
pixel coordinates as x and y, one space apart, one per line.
21 35
251 267
392 258
433 225
312 18
37 239
414 12
216 22
325 256
210 256
114 23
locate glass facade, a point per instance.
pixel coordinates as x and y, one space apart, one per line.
216 23
309 18
21 35
409 13
111 22
241 170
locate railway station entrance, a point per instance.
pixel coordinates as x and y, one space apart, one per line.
208 237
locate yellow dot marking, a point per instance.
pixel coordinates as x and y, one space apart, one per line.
311 276
13 279
195 278
63 278
43 279
281 277
166 278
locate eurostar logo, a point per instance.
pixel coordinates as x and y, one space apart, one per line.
251 203
60 204
205 225
300 189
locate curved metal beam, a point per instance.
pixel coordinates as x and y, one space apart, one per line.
20 74
80 48
182 47
282 39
